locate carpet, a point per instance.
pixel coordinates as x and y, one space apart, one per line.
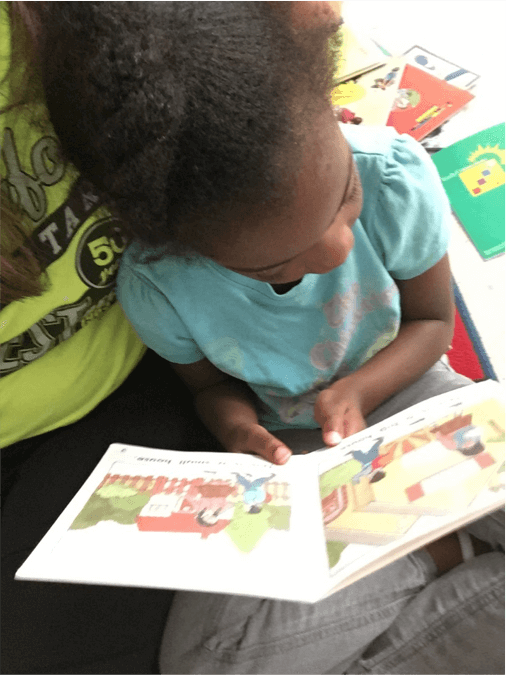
467 354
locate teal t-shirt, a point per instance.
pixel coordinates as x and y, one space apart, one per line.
289 347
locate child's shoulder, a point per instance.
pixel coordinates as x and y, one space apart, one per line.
384 142
405 210
137 258
385 160
162 271
369 140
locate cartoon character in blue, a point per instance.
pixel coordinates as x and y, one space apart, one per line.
468 440
384 82
254 492
368 461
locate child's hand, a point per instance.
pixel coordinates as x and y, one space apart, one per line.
254 439
338 411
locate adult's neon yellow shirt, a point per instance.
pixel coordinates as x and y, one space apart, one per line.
65 351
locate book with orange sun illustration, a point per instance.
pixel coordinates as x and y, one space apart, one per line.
215 522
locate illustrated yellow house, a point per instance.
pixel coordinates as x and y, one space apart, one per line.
425 473
356 526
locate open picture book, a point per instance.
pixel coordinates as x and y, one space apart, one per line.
238 524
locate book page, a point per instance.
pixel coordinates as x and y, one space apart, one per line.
200 521
411 479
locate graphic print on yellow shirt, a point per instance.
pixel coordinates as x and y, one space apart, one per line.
62 352
96 257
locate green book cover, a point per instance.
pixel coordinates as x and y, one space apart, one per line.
472 172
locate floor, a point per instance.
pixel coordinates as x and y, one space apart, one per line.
471 35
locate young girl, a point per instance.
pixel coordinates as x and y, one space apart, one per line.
295 274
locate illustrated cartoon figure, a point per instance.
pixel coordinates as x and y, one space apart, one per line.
346 116
468 440
209 502
365 458
460 434
198 507
209 517
387 81
370 461
254 492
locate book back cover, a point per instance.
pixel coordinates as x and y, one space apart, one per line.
472 172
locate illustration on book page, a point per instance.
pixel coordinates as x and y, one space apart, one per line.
192 501
381 489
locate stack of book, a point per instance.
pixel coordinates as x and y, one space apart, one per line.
417 93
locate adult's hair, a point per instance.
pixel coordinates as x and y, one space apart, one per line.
22 260
186 114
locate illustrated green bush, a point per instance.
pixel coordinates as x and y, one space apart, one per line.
246 529
112 502
334 550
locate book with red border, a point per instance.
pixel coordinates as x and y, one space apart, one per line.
424 102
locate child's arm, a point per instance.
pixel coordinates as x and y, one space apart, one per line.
428 313
226 407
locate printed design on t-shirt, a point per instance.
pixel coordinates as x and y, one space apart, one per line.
292 408
27 189
53 329
226 352
97 255
343 313
325 355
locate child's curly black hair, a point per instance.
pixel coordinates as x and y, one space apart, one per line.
186 114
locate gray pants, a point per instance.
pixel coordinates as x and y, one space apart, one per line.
401 619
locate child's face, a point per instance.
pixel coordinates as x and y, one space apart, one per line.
314 235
